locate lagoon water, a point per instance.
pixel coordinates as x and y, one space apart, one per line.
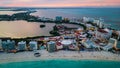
22 29
62 64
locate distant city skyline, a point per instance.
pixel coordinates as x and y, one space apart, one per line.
59 3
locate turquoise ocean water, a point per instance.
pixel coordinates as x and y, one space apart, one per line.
111 16
62 64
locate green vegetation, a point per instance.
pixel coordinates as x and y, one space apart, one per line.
20 16
92 23
29 18
54 32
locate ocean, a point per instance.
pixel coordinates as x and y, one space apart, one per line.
62 64
111 16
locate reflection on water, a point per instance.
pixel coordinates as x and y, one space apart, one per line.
21 29
18 29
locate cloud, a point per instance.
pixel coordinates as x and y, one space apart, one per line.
58 3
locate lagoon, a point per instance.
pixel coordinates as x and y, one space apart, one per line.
22 29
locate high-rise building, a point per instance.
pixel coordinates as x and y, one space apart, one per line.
66 20
100 25
74 20
51 46
96 22
33 45
21 46
0 44
59 18
8 45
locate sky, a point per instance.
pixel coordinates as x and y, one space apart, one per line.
59 3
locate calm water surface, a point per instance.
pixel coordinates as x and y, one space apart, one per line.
21 29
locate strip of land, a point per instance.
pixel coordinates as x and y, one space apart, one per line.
68 55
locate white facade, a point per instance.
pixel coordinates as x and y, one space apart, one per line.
33 45
22 45
100 24
85 19
96 22
75 20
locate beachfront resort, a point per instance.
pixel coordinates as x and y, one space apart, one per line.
92 40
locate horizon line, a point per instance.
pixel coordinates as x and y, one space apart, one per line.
66 7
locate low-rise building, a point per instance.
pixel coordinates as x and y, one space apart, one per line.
112 43
103 33
59 45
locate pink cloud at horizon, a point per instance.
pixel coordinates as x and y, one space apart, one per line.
58 3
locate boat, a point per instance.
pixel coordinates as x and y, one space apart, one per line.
37 54
42 25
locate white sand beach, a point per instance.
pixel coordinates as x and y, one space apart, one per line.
10 12
69 55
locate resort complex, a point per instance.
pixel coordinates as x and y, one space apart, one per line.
92 35
70 38
59 33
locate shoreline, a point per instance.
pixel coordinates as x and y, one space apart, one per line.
60 55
